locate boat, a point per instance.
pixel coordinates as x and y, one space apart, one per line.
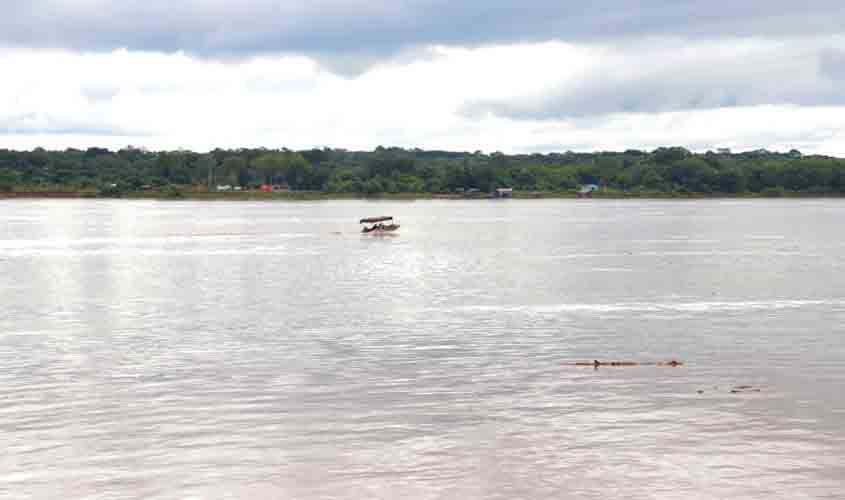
378 226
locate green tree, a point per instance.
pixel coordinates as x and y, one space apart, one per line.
8 179
234 171
298 171
731 180
206 170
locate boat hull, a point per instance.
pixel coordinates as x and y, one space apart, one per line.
381 230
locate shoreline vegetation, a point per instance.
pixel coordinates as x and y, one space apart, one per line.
411 174
187 195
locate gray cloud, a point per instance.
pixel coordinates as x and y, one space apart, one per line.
647 78
352 34
832 64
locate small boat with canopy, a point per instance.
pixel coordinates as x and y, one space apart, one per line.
377 225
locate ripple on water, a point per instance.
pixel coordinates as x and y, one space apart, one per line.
261 360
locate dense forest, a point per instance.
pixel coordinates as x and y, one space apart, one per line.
672 170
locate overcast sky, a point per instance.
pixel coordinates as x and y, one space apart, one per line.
514 76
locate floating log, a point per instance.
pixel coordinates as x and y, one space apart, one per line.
738 389
596 363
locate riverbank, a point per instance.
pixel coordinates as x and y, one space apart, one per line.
319 195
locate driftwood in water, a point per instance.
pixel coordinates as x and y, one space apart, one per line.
596 363
744 388
737 389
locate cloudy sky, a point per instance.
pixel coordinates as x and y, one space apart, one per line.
514 76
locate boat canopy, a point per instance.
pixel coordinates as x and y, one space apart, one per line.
373 220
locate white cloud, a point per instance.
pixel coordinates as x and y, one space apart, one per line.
63 99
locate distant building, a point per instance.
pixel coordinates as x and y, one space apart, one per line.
503 193
587 190
724 151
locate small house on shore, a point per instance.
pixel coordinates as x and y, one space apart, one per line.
503 193
587 190
275 188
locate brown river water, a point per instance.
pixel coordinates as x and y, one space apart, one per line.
174 350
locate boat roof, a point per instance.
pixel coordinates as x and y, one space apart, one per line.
371 220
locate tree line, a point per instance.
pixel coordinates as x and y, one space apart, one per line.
669 170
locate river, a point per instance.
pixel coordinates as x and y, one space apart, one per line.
171 350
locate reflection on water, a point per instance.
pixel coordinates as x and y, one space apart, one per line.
269 350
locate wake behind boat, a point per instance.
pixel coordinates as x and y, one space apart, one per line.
377 225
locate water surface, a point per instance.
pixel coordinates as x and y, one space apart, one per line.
176 350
